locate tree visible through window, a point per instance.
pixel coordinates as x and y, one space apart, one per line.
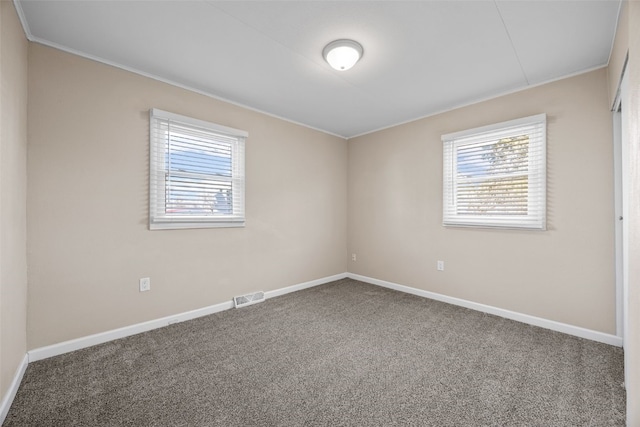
197 173
495 176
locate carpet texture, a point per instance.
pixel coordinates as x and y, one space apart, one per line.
341 354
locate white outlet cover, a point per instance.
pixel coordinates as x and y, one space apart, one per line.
145 284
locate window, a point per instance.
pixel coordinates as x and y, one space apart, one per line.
495 176
196 173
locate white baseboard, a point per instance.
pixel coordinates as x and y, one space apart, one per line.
305 285
13 389
91 340
523 318
114 334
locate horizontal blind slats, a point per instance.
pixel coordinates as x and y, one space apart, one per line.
496 178
197 173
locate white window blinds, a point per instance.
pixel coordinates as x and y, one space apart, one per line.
196 173
495 176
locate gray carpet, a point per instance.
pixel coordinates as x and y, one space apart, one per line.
341 354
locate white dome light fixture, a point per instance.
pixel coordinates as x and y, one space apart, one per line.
342 54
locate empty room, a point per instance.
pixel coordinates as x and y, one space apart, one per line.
320 213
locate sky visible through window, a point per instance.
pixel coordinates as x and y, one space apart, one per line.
492 177
199 176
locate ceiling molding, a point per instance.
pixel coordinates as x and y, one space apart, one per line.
266 56
480 100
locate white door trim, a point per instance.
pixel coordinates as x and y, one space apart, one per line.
622 197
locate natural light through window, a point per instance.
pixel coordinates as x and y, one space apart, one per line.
495 176
196 173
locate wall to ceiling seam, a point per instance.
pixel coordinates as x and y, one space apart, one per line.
312 199
88 193
565 274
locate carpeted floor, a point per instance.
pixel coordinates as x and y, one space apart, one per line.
341 354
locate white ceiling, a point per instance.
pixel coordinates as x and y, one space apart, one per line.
420 57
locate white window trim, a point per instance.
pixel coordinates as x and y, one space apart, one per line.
537 172
157 221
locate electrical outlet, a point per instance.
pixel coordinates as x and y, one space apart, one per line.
354 257
440 266
145 284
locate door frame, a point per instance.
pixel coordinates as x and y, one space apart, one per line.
622 197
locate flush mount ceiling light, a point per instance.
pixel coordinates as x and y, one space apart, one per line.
342 54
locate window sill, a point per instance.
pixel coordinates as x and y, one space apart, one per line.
178 225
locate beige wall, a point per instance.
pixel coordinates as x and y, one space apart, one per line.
13 174
564 274
89 241
87 206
